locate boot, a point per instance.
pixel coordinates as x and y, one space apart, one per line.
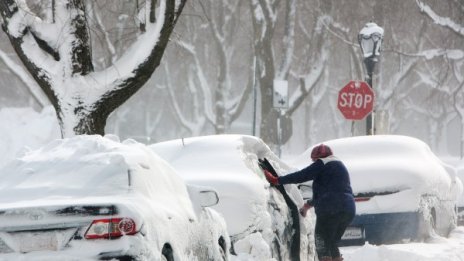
325 258
339 258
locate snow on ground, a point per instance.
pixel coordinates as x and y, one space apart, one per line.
22 128
451 249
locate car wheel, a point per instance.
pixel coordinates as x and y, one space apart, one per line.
431 224
166 253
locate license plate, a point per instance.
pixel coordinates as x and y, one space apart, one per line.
352 233
37 241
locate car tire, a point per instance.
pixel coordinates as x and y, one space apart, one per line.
431 224
166 253
428 209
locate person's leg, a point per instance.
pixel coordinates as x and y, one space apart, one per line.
333 222
321 236
341 223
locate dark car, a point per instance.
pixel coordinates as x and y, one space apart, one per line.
403 192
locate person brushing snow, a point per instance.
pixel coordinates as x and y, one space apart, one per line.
332 197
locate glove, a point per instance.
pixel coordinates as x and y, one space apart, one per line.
271 178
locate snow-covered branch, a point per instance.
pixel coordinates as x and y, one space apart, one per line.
443 21
288 41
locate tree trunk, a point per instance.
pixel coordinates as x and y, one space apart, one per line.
83 99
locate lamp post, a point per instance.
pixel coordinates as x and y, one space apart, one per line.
370 39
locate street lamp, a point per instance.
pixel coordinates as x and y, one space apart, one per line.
370 39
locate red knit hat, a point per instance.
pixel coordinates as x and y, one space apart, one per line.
320 151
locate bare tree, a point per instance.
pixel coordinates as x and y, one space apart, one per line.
263 16
57 52
445 78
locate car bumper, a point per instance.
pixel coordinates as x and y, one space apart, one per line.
383 228
129 248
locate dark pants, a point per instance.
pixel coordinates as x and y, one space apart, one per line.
329 230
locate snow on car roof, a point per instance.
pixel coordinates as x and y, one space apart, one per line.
231 154
387 163
86 166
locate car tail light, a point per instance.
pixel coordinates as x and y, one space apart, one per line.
361 199
111 228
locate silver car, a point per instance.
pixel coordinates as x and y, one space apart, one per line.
95 198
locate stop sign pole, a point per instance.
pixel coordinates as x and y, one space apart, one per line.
356 100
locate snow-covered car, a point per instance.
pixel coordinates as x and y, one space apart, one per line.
403 191
263 222
95 198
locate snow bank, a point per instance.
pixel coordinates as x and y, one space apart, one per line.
445 249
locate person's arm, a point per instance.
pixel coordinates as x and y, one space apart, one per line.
303 175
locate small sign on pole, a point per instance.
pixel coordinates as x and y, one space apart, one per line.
280 94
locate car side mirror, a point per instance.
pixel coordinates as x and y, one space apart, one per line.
208 198
203 196
306 191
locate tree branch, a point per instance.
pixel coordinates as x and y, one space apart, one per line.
131 83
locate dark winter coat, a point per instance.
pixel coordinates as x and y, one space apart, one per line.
332 191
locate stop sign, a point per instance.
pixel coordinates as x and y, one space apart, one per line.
355 100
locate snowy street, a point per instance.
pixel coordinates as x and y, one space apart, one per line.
449 249
439 249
